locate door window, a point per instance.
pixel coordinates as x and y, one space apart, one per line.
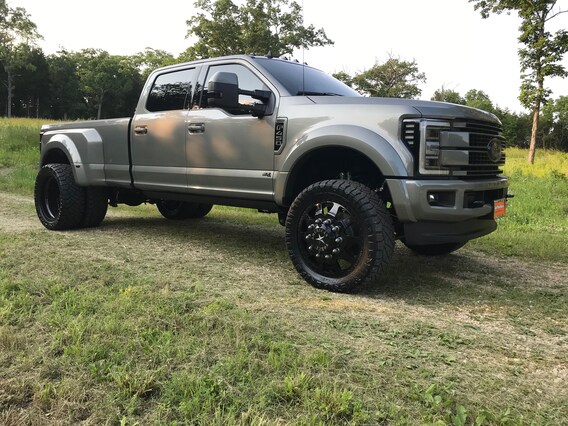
170 91
247 81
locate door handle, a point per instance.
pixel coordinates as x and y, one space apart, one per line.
196 128
141 130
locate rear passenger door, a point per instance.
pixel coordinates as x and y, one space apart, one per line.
159 132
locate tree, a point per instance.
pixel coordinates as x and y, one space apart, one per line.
555 124
65 96
107 79
258 26
344 77
516 127
16 28
395 78
479 99
150 59
448 95
31 78
540 55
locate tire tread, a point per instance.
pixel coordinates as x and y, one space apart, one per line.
72 197
379 229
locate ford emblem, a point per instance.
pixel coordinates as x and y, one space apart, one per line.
494 150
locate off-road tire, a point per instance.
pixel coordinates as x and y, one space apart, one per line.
345 221
96 206
180 210
59 201
435 249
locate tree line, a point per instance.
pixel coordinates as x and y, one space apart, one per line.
92 83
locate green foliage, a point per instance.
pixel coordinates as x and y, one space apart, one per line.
479 99
395 78
448 95
66 99
16 29
32 71
541 54
554 124
111 78
516 127
258 26
150 59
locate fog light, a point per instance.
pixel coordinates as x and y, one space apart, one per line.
441 198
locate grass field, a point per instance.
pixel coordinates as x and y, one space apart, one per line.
145 321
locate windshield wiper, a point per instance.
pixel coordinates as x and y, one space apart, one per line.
300 93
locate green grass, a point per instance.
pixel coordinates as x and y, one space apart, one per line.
540 206
149 321
536 225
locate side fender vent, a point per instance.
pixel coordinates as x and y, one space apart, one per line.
280 135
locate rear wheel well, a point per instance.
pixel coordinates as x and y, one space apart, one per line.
333 163
55 156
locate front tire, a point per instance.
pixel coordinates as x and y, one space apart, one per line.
180 210
59 201
339 235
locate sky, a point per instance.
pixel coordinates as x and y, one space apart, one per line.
450 42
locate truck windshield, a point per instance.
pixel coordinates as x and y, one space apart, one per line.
302 80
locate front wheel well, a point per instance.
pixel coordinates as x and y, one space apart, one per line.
332 163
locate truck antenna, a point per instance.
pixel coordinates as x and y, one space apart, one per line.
303 57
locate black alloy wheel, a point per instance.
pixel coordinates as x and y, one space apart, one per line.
339 235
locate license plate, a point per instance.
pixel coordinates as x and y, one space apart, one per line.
499 208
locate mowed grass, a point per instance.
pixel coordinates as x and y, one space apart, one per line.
147 321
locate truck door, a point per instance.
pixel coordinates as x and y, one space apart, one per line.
159 132
230 154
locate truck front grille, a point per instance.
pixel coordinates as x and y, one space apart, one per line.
461 148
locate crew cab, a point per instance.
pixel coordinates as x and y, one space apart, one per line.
347 175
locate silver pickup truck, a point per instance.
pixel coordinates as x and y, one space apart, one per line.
347 175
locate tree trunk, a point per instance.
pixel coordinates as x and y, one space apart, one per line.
10 89
100 105
532 147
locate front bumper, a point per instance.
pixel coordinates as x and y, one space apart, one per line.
442 211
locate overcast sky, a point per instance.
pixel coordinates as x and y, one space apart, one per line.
450 42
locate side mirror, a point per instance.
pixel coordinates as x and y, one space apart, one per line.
223 91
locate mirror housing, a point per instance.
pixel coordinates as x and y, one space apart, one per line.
223 91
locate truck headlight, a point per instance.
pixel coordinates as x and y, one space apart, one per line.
429 162
423 139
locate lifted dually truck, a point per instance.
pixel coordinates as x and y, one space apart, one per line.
347 175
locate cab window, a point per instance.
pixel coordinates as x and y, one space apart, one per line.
247 81
170 91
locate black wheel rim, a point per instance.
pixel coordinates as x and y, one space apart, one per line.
330 239
51 199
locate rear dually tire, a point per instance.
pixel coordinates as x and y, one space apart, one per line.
59 201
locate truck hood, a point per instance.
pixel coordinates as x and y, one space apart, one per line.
427 109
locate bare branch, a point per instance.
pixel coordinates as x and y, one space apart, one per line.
555 15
